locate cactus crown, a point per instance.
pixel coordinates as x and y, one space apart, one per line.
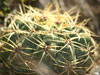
58 40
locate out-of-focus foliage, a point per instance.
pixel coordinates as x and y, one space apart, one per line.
7 6
4 9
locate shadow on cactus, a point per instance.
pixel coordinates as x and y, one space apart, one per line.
45 42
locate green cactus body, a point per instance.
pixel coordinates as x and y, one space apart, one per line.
61 43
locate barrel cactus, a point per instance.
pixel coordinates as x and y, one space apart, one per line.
45 42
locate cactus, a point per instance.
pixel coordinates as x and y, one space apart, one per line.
42 38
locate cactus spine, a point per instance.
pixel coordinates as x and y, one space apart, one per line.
56 40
